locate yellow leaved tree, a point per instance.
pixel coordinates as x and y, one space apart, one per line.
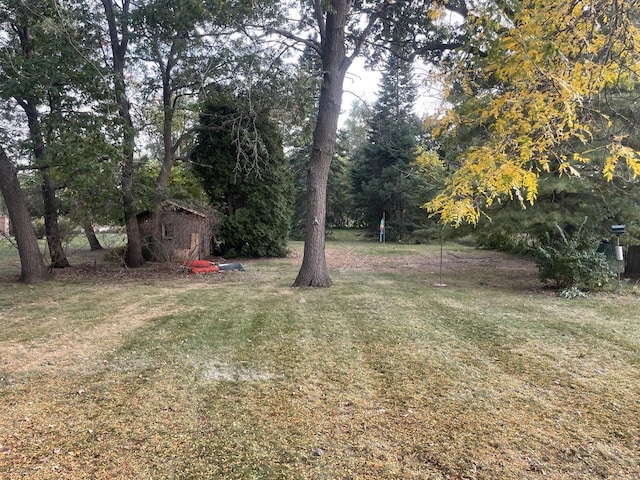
529 87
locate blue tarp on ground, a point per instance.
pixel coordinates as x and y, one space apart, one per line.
231 266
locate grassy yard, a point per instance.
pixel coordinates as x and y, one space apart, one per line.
156 374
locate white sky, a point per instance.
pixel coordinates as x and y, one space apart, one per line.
361 83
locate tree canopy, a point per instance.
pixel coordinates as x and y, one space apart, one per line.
527 80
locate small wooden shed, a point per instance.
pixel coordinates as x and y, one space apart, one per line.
181 233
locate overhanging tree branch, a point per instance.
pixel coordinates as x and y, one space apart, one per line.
364 36
306 41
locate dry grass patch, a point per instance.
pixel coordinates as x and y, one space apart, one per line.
381 376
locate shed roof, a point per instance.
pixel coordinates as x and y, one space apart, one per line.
174 205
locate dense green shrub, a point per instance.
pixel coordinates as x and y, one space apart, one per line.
239 159
571 262
505 241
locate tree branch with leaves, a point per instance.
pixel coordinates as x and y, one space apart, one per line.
532 92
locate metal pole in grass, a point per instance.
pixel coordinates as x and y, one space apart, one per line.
440 284
618 230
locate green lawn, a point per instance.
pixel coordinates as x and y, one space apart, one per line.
155 374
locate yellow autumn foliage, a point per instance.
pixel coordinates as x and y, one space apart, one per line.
550 59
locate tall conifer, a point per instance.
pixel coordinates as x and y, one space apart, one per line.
382 177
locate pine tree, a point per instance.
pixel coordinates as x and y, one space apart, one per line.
382 176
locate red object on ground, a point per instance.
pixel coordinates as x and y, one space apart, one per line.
200 263
203 266
209 269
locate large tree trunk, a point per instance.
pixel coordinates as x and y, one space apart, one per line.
167 134
314 272
29 105
632 269
51 227
133 258
156 246
32 267
119 44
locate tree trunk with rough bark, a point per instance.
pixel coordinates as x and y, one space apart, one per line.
90 233
133 258
119 44
314 272
30 106
632 268
51 227
156 246
32 267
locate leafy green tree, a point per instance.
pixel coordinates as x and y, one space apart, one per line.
240 160
166 37
191 44
49 71
184 41
33 72
120 36
182 184
87 173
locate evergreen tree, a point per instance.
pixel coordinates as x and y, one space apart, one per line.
341 212
240 160
382 177
340 209
34 63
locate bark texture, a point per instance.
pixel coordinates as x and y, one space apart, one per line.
90 233
29 104
119 44
155 246
314 272
51 227
32 267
